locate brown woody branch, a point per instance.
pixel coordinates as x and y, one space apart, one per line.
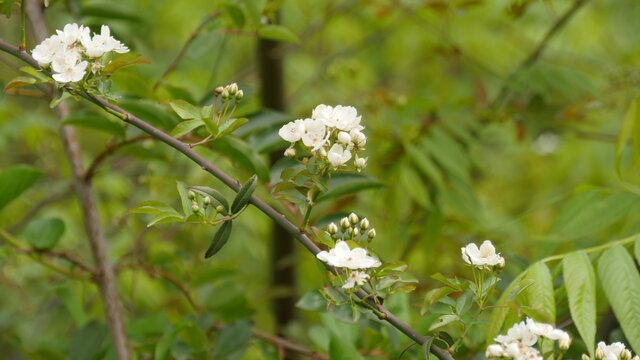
101 157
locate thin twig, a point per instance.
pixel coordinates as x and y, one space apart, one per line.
60 255
194 35
231 183
97 161
535 54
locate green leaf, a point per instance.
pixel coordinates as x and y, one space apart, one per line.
433 296
426 347
87 343
44 234
630 131
244 154
58 99
235 12
580 282
184 198
150 112
341 349
343 184
500 312
232 341
312 301
163 347
219 239
216 197
19 81
278 33
6 7
621 284
186 127
230 126
152 207
539 297
253 11
15 180
442 321
124 60
415 187
95 121
244 195
166 217
424 163
73 305
185 110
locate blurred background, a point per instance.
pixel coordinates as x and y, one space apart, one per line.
485 120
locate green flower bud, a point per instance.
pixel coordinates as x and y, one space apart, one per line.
195 208
332 229
585 357
219 208
206 201
191 195
239 95
344 223
353 218
364 224
371 234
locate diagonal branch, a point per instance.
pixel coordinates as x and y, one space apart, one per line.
279 218
98 160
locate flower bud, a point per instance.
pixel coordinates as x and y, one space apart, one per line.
191 195
356 232
225 94
239 95
219 208
322 152
344 137
206 201
344 223
218 91
195 208
350 231
565 341
353 218
332 229
625 354
635 357
371 234
364 224
290 152
304 160
360 163
501 263
585 357
494 351
600 353
232 89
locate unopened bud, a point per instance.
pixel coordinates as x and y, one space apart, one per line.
364 224
635 357
304 160
206 201
195 208
191 195
225 93
501 263
239 95
218 91
625 354
290 152
600 353
585 357
233 89
371 234
565 341
350 231
344 137
322 152
332 229
353 218
219 208
356 232
344 223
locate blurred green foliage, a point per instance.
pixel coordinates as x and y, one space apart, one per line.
468 143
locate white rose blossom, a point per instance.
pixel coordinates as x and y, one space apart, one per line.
483 257
358 278
342 256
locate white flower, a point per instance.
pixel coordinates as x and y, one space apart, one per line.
347 117
72 33
102 43
519 332
564 341
292 131
67 68
484 257
494 351
358 138
360 163
314 134
47 50
342 256
355 278
338 155
324 113
344 137
609 352
546 330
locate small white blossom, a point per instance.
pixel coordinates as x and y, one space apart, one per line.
292 131
358 138
494 351
104 43
342 256
360 163
344 137
610 352
338 156
355 278
324 113
564 341
314 134
72 33
519 332
347 117
484 257
44 52
290 152
67 68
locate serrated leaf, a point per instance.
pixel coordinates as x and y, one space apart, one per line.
433 296
630 131
244 194
219 239
580 282
442 321
343 184
44 234
278 33
15 180
621 284
186 127
539 297
230 126
216 197
185 110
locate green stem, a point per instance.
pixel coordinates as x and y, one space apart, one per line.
23 37
307 212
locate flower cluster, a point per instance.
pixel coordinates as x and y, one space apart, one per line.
484 257
520 339
333 135
73 49
615 351
230 91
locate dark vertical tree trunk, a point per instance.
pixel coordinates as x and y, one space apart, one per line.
282 264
